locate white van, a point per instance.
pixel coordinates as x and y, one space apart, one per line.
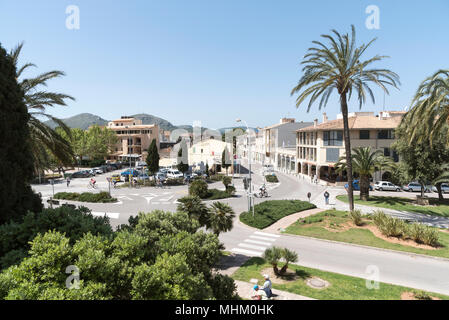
172 173
268 168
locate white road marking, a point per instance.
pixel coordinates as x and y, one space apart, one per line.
249 252
262 238
258 242
125 197
167 199
251 246
267 234
107 214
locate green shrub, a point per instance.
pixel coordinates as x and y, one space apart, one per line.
421 295
215 194
230 190
430 237
268 212
74 223
174 182
102 197
216 177
227 180
356 217
198 188
272 178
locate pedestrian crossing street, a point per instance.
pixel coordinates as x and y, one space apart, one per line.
256 244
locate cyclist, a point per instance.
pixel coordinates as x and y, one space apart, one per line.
93 182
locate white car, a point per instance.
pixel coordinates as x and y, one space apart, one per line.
173 174
97 170
386 186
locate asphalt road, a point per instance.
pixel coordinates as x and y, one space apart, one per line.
410 270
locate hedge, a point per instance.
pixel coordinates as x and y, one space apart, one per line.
272 178
268 212
102 197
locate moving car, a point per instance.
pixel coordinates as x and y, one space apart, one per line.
97 170
116 177
444 188
415 187
80 174
356 186
143 177
134 172
386 186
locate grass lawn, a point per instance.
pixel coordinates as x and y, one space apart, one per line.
314 226
268 212
436 208
341 287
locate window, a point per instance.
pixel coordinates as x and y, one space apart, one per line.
385 134
332 154
364 134
333 138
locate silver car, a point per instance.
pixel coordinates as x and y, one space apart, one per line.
386 186
415 187
444 188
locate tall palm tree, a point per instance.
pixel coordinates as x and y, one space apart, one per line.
221 217
430 108
43 138
338 66
365 162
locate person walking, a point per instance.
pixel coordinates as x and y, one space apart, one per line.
68 181
326 197
267 286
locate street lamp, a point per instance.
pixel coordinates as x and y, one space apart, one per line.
250 194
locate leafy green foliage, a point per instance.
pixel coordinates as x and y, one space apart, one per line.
101 197
16 156
268 212
15 236
272 178
195 208
221 217
159 255
198 188
356 217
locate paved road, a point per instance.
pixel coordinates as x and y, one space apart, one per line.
398 268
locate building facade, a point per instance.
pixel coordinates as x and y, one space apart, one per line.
134 139
207 152
320 146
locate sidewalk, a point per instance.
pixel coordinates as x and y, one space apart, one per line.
287 221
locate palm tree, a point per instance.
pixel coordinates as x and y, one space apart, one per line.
365 162
338 66
221 217
195 208
272 256
430 108
289 256
43 138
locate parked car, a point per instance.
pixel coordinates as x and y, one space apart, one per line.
356 186
161 176
415 187
386 186
143 177
134 172
116 177
173 174
80 174
97 170
444 188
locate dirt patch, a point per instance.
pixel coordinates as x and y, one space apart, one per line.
411 296
288 277
340 227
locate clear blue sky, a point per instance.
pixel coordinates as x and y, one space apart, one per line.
214 61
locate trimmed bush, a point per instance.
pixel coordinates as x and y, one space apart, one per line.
272 178
198 188
268 212
216 177
102 197
230 190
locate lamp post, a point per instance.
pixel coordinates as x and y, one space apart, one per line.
250 193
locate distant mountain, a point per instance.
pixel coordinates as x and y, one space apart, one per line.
150 119
82 121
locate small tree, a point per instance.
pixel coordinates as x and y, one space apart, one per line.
272 256
183 167
225 159
195 208
227 181
221 218
289 256
153 158
199 188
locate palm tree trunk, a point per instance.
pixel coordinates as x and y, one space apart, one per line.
344 111
364 188
440 192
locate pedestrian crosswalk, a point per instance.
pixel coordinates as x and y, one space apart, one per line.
256 244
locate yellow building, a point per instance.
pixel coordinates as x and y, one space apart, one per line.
318 147
134 139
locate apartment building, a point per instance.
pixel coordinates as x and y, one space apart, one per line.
207 152
280 141
320 145
134 139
